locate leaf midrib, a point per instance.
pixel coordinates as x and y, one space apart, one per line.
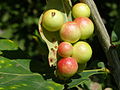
17 74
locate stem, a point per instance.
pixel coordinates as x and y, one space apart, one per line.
97 70
104 39
79 88
64 10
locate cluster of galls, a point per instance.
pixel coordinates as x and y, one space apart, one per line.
74 52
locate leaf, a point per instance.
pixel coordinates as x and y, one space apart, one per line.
1 52
6 44
115 36
76 82
16 75
83 77
52 38
88 73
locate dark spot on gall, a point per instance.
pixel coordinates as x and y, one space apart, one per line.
56 47
51 59
53 14
53 50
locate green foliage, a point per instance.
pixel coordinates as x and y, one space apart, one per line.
20 72
115 36
16 74
24 54
18 22
7 45
83 77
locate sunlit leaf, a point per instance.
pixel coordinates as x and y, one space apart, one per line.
16 75
6 44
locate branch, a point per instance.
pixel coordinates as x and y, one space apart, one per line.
104 39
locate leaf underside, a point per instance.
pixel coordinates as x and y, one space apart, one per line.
52 38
